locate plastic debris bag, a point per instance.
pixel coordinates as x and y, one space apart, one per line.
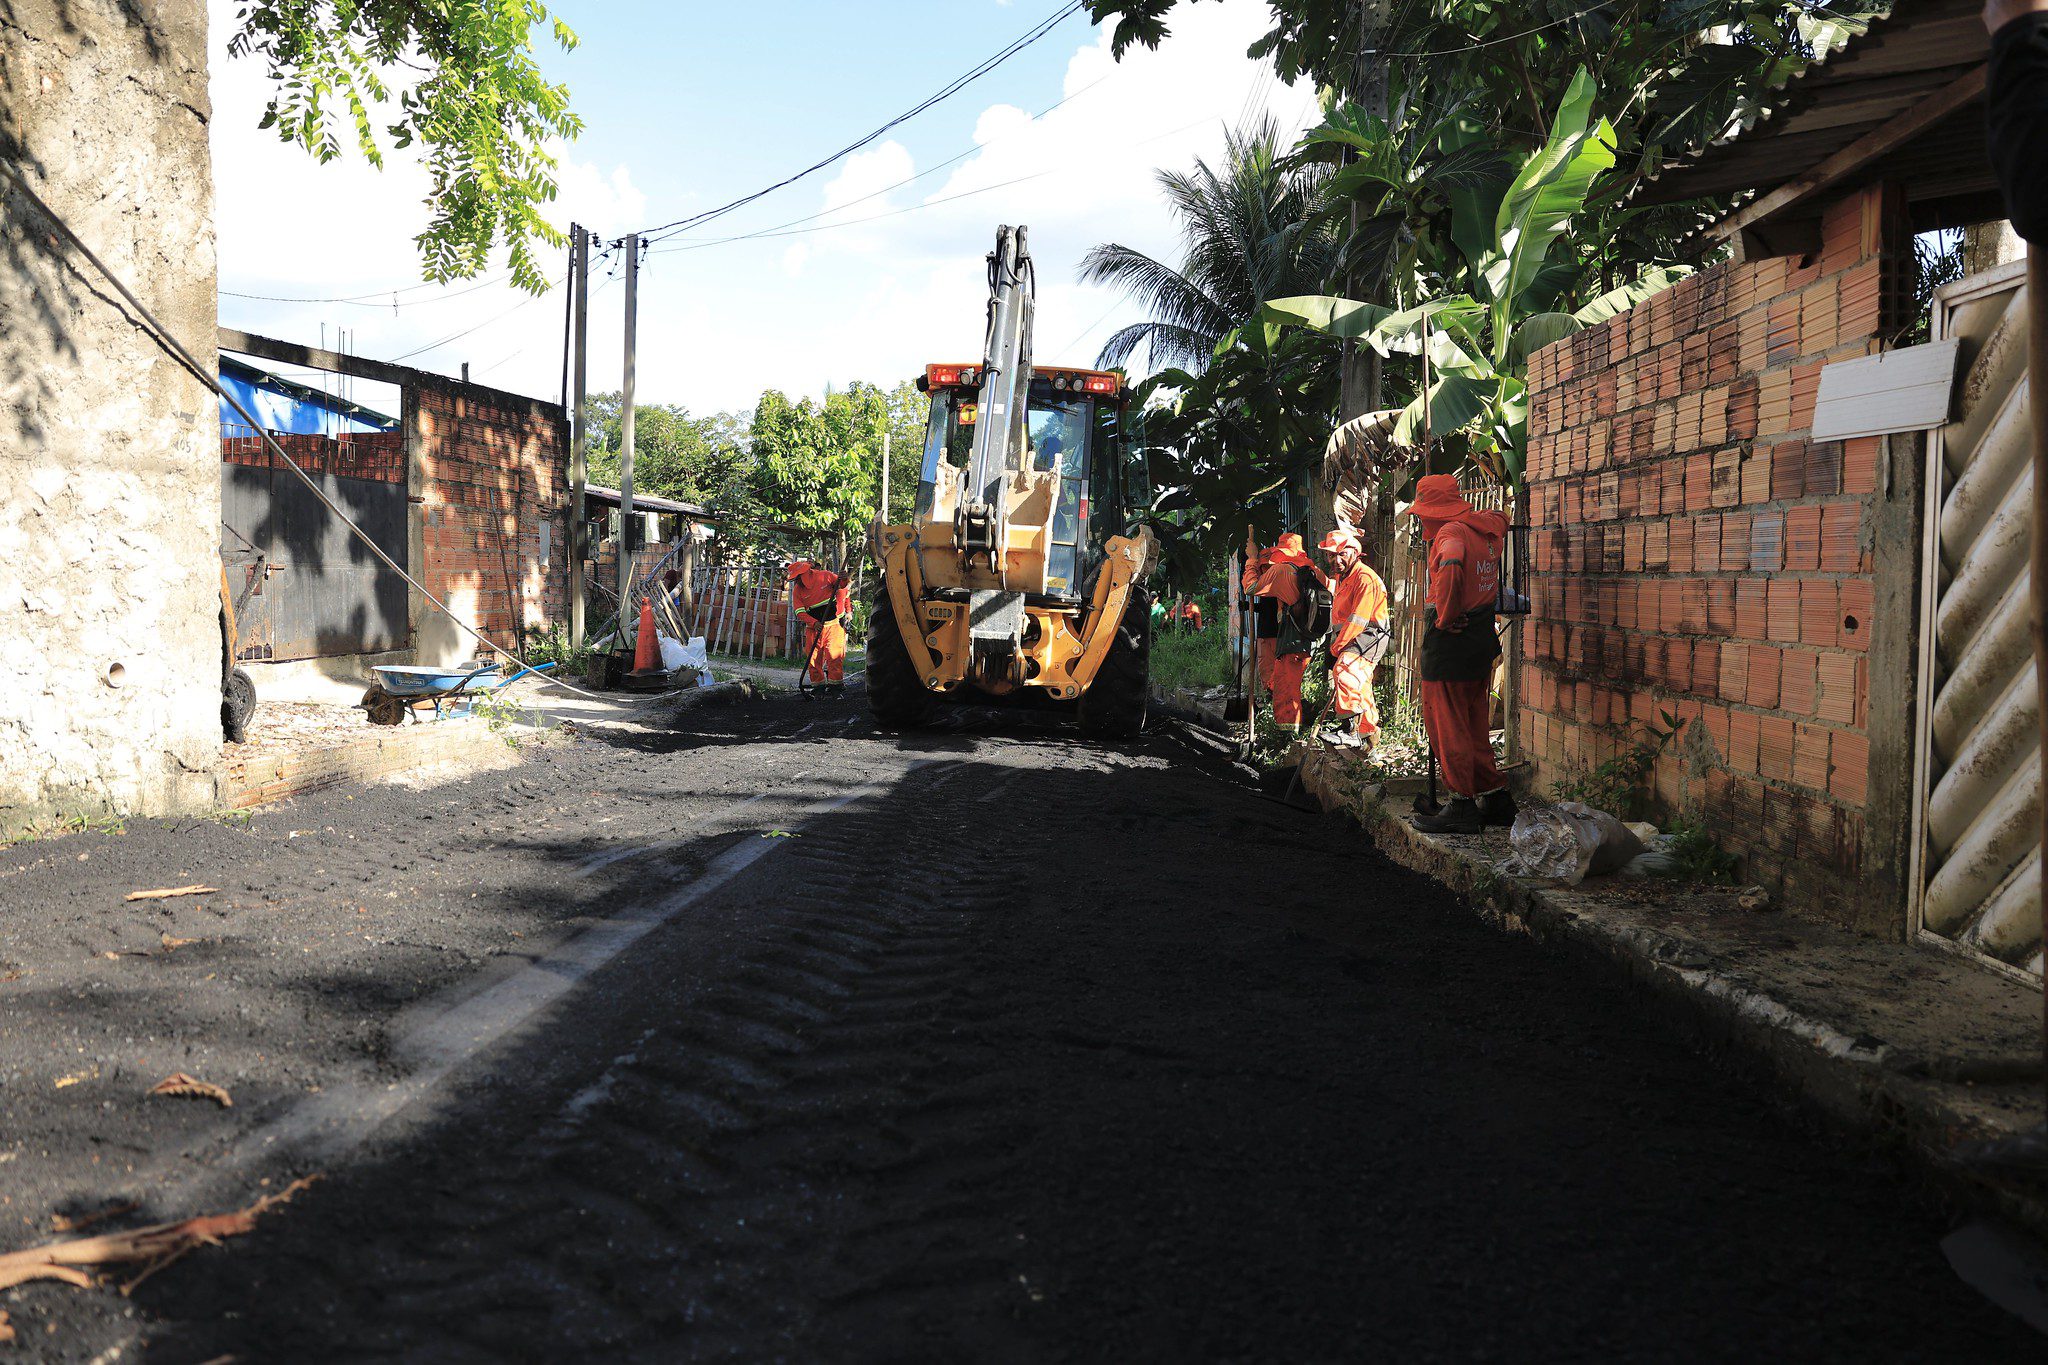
1568 842
1656 860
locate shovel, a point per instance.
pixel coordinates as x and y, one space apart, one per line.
1238 710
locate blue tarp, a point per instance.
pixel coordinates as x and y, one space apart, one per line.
279 404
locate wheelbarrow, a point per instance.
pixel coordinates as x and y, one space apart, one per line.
403 688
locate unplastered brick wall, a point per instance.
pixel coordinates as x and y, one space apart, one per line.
378 455
1694 551
489 470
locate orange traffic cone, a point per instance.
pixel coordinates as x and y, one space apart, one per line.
646 648
648 675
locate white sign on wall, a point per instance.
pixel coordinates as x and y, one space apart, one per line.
1903 390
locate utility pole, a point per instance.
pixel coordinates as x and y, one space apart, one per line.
885 475
579 299
628 542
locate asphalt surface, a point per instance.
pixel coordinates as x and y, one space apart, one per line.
775 1037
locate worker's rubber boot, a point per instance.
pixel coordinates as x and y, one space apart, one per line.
1497 808
1460 815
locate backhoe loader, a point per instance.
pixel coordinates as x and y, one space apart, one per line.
1016 579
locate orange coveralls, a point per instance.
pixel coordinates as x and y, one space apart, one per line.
824 598
1281 581
1358 620
1457 671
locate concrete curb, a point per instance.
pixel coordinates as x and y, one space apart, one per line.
442 750
1894 1044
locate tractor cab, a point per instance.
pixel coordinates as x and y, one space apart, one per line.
1071 428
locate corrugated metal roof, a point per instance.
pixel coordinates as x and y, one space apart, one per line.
1919 48
643 502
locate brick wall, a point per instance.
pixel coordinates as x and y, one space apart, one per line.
1694 552
378 455
489 470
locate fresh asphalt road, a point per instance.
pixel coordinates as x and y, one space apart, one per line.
777 1037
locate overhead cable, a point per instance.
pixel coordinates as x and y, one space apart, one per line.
951 88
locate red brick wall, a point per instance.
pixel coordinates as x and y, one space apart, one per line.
1693 551
489 474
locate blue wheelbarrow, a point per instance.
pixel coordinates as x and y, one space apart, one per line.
403 688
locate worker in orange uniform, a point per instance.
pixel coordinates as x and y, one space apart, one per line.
1358 637
1458 650
1265 612
1289 582
824 598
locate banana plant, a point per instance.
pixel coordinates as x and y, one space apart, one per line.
1478 340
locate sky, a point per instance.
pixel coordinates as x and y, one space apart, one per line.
689 104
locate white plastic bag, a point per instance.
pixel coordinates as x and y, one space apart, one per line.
1568 842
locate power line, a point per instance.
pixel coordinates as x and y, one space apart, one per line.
526 302
907 180
912 208
387 298
951 88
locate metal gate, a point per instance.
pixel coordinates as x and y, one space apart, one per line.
1977 819
323 593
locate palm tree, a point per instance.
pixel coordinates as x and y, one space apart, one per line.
1251 233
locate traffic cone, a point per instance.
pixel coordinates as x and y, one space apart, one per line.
646 648
648 675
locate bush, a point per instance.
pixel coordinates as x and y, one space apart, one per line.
550 645
1190 658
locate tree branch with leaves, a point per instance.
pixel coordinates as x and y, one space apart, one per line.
457 78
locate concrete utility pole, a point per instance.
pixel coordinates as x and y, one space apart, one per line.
579 550
628 542
885 476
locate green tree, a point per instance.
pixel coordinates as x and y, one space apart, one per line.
1671 74
675 455
816 468
479 109
1515 266
1249 232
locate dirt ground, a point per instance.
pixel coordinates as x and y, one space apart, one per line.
983 1043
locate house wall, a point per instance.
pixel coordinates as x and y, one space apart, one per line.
1694 551
109 451
487 469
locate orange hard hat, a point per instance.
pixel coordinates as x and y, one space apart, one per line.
798 568
1338 540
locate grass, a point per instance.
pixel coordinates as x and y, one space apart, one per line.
1199 659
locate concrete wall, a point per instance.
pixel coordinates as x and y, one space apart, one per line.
109 451
1695 552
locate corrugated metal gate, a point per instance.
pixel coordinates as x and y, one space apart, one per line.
323 593
1977 846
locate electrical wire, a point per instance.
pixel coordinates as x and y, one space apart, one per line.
169 341
951 88
909 208
384 298
526 302
688 243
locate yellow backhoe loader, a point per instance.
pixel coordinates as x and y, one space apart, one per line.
1015 580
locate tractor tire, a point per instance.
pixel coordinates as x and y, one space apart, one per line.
237 705
896 695
1114 705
